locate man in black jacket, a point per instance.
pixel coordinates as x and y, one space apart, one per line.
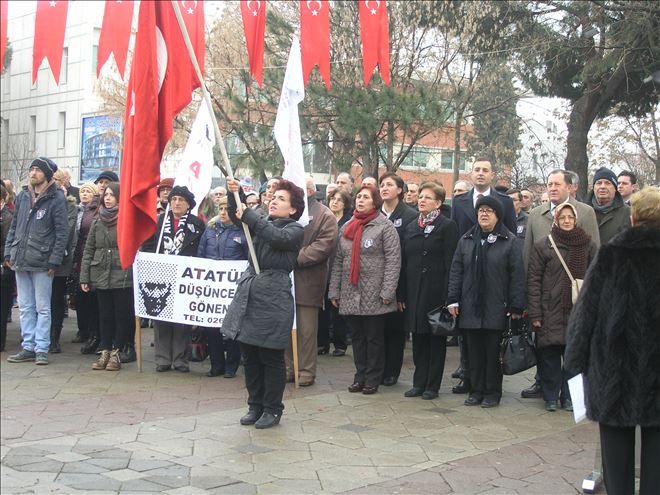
34 249
464 214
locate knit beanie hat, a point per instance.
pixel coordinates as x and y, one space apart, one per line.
183 192
91 187
493 202
607 174
46 165
108 175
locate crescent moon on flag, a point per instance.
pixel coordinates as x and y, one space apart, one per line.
184 2
161 57
249 2
366 3
312 1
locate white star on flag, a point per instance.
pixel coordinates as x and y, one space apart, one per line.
373 11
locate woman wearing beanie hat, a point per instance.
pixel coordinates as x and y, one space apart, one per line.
181 233
486 285
87 308
101 271
550 301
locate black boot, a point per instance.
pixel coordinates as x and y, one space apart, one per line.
251 417
267 420
91 346
127 355
458 373
463 387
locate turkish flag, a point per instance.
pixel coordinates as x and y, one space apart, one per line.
374 32
254 25
161 84
3 33
49 26
115 33
315 38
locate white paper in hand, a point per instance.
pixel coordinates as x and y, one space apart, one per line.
576 387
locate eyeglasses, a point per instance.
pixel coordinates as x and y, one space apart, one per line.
487 211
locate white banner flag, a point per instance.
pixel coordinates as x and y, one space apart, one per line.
195 170
184 289
287 123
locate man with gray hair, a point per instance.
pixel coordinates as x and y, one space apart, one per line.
346 182
310 277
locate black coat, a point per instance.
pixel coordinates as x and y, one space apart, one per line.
261 313
400 218
613 335
505 278
425 263
465 216
193 233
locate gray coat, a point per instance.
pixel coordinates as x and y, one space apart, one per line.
38 233
380 263
261 313
101 267
505 278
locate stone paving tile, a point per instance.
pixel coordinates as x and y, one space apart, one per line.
88 481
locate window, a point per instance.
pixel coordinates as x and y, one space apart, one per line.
61 130
447 160
32 134
64 70
4 137
95 58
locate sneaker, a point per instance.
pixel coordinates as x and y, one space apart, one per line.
22 357
102 361
41 359
114 362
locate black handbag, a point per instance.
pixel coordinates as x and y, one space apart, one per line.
198 346
441 322
517 350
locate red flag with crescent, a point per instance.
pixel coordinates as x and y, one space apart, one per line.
253 13
49 27
374 32
161 84
115 34
315 38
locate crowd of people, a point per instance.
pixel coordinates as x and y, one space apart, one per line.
371 263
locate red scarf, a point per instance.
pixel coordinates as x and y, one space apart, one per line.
353 231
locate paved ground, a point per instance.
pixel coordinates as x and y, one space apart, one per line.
67 429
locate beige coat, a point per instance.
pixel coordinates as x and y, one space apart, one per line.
311 270
540 221
380 263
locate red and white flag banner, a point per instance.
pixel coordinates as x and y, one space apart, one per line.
374 32
4 14
253 13
315 38
115 33
49 27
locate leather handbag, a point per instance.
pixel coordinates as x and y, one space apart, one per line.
441 322
517 350
576 283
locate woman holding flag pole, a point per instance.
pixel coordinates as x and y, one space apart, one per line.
261 315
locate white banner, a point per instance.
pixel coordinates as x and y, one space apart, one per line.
196 167
183 289
287 123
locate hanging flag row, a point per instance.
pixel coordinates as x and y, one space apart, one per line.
315 37
51 15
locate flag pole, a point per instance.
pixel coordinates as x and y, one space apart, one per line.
216 128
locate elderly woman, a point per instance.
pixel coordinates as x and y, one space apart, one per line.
101 270
613 339
549 298
363 285
222 240
486 284
428 247
261 314
87 306
341 206
181 233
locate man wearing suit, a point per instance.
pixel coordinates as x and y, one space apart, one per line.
539 225
464 214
